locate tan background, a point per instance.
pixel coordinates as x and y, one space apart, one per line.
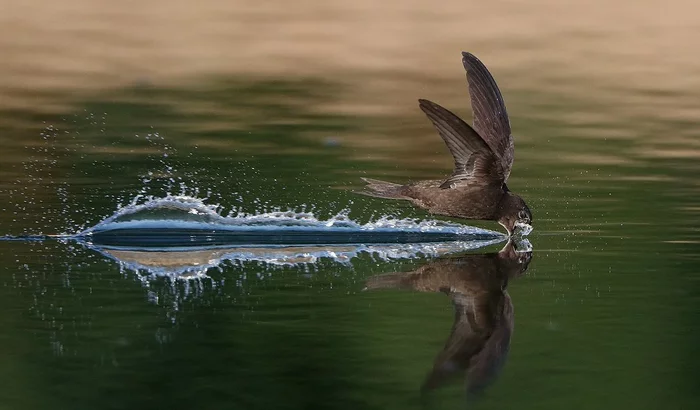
645 44
603 63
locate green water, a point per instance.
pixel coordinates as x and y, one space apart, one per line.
605 317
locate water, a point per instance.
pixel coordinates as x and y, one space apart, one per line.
282 124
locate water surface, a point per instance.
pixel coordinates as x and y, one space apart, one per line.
605 116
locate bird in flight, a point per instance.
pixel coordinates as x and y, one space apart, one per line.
483 157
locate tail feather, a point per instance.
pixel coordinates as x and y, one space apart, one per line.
382 189
399 280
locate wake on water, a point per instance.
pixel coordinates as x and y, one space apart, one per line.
182 239
181 221
182 236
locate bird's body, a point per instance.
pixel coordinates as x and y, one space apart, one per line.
473 203
483 157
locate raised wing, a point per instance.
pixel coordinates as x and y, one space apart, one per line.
475 162
490 116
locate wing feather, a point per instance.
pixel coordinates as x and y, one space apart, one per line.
490 115
475 162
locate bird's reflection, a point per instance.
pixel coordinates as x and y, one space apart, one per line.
476 284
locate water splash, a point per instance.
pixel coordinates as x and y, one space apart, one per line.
183 222
177 246
522 229
196 261
182 238
522 245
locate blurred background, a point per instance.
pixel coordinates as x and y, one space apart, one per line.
635 58
258 105
589 67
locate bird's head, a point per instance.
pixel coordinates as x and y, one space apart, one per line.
515 214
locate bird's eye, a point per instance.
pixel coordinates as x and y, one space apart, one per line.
522 215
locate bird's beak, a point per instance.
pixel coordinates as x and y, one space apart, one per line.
509 229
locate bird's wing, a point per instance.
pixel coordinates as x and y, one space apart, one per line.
475 162
490 116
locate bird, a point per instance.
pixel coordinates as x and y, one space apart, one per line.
479 341
483 158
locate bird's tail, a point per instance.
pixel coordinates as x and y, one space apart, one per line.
399 280
382 189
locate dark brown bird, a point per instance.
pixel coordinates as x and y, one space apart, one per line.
483 157
480 338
